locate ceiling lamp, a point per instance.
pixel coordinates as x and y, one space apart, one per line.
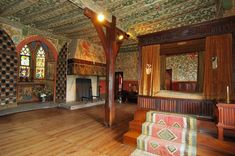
100 17
120 37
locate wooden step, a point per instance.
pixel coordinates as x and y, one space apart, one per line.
135 125
130 138
140 115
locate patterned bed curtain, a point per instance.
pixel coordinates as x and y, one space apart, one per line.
218 66
150 70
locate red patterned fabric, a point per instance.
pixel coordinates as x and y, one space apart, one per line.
168 134
164 148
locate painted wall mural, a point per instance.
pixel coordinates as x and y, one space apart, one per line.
184 67
84 50
15 33
19 32
127 63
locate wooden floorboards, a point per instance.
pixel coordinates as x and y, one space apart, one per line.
63 132
82 133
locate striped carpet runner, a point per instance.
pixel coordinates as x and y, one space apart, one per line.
167 134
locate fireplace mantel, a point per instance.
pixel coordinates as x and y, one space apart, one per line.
83 67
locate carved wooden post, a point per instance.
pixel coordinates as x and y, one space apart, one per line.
111 46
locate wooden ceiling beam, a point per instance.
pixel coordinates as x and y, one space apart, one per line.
141 20
43 9
80 25
61 21
54 12
19 5
83 32
170 23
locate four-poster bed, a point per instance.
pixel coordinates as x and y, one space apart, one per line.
219 44
216 38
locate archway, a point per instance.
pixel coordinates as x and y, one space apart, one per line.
37 72
41 39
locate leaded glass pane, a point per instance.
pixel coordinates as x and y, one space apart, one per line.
41 53
40 63
25 51
24 71
40 72
24 60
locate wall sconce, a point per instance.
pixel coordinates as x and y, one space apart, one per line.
120 37
214 62
148 69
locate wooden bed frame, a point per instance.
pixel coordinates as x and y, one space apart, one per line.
199 107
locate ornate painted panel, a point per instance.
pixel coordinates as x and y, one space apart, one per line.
84 50
8 71
61 75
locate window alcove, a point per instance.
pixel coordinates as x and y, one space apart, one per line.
36 73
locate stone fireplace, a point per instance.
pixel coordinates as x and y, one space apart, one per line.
72 94
86 63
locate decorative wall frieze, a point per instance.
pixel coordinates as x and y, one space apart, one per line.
218 26
82 67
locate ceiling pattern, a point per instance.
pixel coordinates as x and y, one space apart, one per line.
138 17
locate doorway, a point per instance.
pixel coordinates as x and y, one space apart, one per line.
168 80
118 84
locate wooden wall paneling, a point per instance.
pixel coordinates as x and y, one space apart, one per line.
233 65
226 118
183 47
204 108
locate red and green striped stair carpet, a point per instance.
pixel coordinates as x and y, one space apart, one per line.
167 134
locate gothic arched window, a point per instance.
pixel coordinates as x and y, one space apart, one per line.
25 57
40 64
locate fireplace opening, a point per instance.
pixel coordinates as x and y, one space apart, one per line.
83 89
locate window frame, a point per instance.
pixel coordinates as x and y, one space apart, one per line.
29 66
32 63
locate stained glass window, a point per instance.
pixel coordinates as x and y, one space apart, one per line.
25 62
40 63
24 71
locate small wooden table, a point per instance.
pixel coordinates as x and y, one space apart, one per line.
226 118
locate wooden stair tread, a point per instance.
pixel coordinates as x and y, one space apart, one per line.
133 134
140 115
130 138
135 125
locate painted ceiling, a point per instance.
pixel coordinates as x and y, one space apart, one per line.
138 17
